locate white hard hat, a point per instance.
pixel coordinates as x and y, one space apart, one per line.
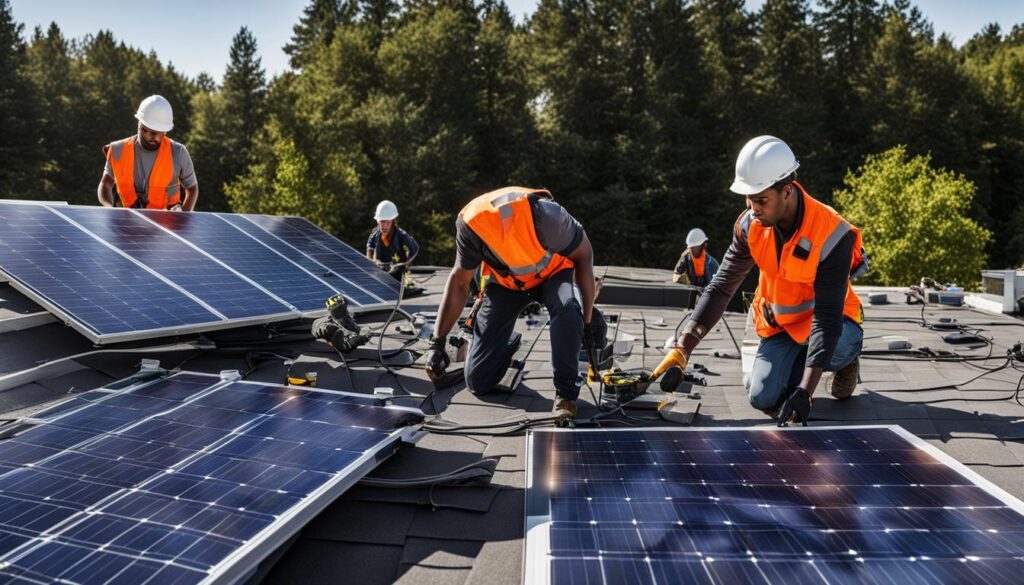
386 210
696 237
764 161
155 113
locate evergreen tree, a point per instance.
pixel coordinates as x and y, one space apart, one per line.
19 114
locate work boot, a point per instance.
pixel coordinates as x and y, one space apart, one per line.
842 383
565 410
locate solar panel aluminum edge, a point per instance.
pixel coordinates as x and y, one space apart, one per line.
240 563
538 558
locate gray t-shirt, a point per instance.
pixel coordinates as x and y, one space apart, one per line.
556 230
144 161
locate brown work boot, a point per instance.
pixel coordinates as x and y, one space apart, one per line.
565 409
842 383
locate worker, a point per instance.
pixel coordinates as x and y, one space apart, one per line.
532 249
390 247
804 309
696 266
149 169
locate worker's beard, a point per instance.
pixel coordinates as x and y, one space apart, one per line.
149 145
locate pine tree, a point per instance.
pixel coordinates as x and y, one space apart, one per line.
19 114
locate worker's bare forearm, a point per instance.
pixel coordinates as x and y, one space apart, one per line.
105 191
583 260
456 292
191 198
811 378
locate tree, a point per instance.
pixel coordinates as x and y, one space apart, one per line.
315 29
19 114
915 220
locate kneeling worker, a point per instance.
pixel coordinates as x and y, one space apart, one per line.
390 247
804 308
533 250
696 266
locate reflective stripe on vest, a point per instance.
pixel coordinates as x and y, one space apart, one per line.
784 299
503 219
162 191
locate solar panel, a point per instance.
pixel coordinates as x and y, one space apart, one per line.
188 479
85 282
118 275
276 273
340 259
814 505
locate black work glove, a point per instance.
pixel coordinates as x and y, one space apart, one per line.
437 359
325 328
337 307
797 407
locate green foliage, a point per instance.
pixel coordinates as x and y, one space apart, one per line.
630 112
914 220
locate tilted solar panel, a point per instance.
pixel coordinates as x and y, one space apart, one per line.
330 252
85 282
118 275
190 479
246 255
815 505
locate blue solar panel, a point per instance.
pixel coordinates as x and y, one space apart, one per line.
165 482
243 253
84 279
341 282
855 505
119 275
208 281
330 252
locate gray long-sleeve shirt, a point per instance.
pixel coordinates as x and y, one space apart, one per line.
830 286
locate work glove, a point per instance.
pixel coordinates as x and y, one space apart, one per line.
797 407
337 306
326 329
175 207
437 359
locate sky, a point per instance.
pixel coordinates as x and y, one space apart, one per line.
195 35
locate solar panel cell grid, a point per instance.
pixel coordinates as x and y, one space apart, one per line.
125 488
208 281
809 506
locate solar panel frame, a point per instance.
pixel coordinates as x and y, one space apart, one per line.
538 565
243 559
218 321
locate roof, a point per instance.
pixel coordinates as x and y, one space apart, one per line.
474 533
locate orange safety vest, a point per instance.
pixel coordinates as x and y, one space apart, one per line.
698 264
784 299
161 193
503 219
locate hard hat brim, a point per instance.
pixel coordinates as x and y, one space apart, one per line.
744 188
697 243
155 127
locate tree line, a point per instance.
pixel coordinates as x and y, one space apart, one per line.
630 112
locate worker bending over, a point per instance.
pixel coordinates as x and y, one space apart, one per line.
696 266
390 247
804 308
149 168
531 249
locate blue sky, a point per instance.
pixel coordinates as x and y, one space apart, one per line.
195 35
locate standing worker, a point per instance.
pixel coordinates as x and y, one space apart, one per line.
696 266
149 168
804 308
532 250
390 247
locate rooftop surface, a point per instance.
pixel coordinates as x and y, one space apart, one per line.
962 398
